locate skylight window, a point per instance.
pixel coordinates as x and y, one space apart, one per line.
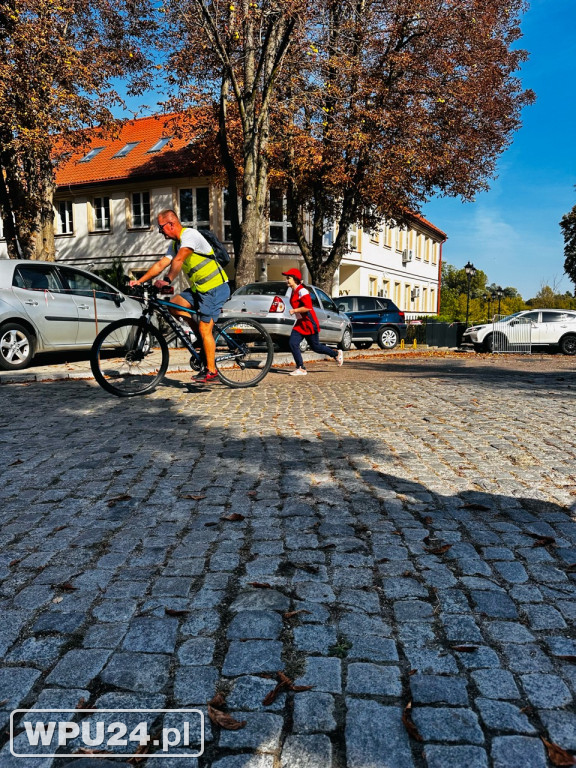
159 146
127 148
91 155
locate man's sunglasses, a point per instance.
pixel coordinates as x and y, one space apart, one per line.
161 227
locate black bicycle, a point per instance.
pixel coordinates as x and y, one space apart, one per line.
130 357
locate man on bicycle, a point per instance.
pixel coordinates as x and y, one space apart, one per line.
209 287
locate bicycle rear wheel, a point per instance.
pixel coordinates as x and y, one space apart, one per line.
244 352
129 357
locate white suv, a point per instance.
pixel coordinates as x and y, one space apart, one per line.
549 328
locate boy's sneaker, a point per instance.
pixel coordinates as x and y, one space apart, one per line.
299 372
205 377
340 357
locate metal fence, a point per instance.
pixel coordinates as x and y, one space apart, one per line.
511 336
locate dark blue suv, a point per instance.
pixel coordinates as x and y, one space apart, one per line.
374 319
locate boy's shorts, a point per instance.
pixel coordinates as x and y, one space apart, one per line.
208 305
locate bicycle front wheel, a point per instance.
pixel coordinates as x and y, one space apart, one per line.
129 357
244 352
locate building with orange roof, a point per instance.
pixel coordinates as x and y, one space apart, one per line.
109 194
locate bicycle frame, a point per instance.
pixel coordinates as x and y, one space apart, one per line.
161 306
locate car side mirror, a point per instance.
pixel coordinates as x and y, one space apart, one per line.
119 298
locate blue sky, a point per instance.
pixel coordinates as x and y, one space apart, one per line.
511 232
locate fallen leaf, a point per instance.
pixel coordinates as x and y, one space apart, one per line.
4 701
565 656
413 672
14 463
465 648
235 517
207 525
251 493
123 497
15 562
218 701
408 724
428 520
195 496
438 550
571 568
410 405
474 505
57 599
86 751
66 586
291 614
224 720
176 612
271 697
557 755
81 703
544 541
260 584
299 688
60 528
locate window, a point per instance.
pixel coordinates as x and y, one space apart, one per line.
227 203
65 218
79 284
328 236
353 238
397 296
407 296
345 304
366 304
159 146
36 277
424 299
281 231
386 289
327 301
380 304
126 149
195 207
101 210
555 317
432 300
373 289
434 253
375 236
419 244
140 212
426 249
91 155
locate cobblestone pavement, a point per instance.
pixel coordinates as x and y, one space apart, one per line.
418 514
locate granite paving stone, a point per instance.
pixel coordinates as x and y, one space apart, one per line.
546 691
526 751
455 757
373 730
502 716
314 751
432 689
372 679
251 656
314 712
447 724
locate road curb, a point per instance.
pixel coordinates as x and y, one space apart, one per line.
55 373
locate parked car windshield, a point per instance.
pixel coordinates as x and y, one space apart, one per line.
262 289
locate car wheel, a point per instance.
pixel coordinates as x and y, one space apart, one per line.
363 344
568 345
16 347
388 338
346 340
489 342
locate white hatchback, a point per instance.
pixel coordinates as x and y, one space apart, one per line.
47 306
548 328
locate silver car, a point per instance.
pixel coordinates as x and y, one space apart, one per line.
46 306
269 304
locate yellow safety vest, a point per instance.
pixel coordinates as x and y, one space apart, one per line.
202 270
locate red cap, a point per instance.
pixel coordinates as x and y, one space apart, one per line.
293 273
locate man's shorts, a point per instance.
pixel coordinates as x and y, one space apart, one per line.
207 305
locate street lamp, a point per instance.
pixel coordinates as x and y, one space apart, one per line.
499 293
487 298
470 270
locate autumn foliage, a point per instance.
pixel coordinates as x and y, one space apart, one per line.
57 58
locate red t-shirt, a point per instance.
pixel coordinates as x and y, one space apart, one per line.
306 322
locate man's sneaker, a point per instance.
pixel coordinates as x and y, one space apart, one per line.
299 372
205 377
340 357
